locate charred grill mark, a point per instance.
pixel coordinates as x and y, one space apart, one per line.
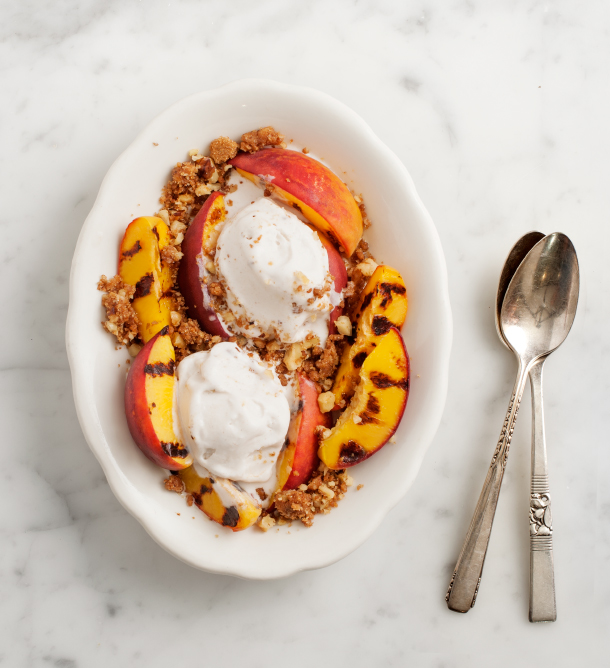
204 489
366 301
160 369
372 405
381 325
155 232
351 453
143 286
231 517
174 450
372 409
386 289
196 498
300 407
137 247
383 381
358 360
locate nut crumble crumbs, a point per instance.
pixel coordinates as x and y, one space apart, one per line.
174 484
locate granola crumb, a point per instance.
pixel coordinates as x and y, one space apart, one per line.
122 320
190 499
261 493
326 401
174 484
359 487
305 149
223 149
256 139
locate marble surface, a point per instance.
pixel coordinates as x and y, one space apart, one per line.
499 110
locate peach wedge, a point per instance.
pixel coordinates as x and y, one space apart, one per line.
140 265
149 396
222 500
199 240
375 409
337 269
382 305
300 457
308 186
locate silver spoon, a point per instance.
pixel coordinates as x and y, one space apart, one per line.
542 576
537 314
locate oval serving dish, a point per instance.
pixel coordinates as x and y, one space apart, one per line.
403 236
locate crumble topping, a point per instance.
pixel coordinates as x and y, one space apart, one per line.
122 320
323 492
257 139
174 484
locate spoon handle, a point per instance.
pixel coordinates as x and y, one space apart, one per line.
464 585
542 577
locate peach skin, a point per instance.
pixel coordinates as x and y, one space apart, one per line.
308 186
199 240
149 395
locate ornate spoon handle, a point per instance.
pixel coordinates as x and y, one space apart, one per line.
464 585
542 577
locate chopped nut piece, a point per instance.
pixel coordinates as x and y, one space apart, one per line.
210 266
164 215
176 318
343 325
367 267
326 401
134 349
265 523
177 340
293 359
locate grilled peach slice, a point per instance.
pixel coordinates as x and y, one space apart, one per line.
140 265
308 186
149 396
221 500
382 305
199 240
300 457
338 271
376 408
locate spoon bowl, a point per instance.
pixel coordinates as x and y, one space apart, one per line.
540 303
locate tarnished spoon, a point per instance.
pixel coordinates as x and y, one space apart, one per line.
542 574
537 313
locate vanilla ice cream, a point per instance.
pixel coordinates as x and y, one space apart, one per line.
271 263
232 411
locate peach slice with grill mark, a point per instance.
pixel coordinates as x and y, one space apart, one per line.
376 408
382 305
308 186
140 265
199 241
300 456
149 398
222 500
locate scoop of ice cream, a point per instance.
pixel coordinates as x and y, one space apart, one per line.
276 274
232 411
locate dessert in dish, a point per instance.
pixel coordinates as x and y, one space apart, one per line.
268 357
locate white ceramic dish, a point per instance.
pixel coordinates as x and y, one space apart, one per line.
403 235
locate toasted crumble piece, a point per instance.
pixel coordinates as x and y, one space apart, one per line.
191 333
294 504
256 139
223 149
170 254
265 522
344 325
190 499
216 289
122 320
261 493
174 484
